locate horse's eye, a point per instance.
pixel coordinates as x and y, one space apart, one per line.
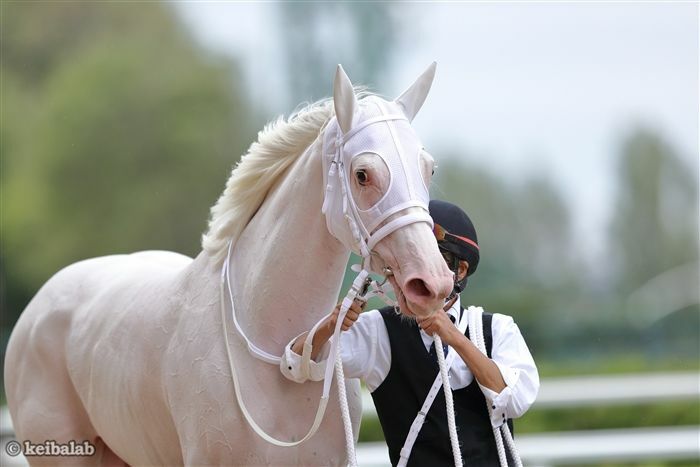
362 177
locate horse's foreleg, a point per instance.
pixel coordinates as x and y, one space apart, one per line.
51 414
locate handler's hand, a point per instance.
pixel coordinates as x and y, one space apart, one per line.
350 317
439 323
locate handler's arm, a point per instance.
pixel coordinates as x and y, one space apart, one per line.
325 330
509 380
484 369
365 352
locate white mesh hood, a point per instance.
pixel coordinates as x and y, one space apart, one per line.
379 127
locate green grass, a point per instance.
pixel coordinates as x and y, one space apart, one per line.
618 365
660 414
586 418
595 418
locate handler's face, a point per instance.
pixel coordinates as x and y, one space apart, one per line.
450 259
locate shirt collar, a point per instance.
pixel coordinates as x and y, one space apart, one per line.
454 310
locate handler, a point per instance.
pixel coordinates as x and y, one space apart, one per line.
395 357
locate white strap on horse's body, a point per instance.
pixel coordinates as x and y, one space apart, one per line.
432 393
264 356
360 283
252 348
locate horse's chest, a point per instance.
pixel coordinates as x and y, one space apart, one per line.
212 427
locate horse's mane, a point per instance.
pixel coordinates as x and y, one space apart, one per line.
279 144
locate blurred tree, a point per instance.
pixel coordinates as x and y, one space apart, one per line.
531 270
118 134
319 35
654 246
527 267
524 230
655 226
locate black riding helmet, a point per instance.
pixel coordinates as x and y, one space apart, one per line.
456 236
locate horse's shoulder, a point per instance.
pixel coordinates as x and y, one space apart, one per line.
168 259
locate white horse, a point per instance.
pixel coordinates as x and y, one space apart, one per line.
127 351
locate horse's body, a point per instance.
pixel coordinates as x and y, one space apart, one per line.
128 352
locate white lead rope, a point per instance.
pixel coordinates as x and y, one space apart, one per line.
502 432
345 411
451 424
443 380
336 357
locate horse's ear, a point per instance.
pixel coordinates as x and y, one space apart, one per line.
412 99
344 99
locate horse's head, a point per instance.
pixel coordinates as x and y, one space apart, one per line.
377 174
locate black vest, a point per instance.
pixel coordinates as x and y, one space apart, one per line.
401 395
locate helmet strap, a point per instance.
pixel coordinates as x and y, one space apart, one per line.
458 285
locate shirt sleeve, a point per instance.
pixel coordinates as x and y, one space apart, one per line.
290 364
513 358
364 348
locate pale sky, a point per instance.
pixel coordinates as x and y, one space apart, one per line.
521 88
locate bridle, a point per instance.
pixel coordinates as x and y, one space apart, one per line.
358 230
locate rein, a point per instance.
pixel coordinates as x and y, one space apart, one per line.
260 354
363 287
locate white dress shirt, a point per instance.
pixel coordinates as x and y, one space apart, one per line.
366 354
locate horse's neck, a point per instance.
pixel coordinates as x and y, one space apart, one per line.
286 268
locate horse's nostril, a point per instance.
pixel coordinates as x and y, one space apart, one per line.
417 288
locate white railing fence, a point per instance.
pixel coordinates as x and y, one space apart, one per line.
563 448
593 446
